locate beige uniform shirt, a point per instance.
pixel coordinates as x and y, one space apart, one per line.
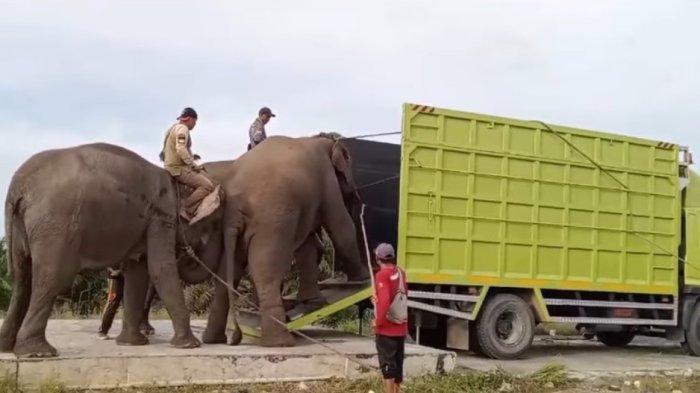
177 149
256 133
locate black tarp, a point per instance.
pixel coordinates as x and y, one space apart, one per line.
376 167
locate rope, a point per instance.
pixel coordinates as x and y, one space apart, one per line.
618 181
190 252
371 135
369 258
377 182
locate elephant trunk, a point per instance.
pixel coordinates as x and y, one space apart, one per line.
354 206
192 272
229 261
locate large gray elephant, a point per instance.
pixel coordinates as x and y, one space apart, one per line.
91 207
278 196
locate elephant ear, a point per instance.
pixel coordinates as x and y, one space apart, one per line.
343 167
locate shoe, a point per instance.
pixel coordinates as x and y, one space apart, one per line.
186 216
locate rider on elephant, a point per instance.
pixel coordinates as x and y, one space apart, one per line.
179 161
256 132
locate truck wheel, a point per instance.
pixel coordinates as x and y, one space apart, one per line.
692 332
506 327
615 339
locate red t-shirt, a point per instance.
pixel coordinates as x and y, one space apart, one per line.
387 282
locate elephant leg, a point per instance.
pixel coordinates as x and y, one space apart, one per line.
341 229
162 268
114 298
19 303
135 281
145 327
53 270
215 332
269 261
307 258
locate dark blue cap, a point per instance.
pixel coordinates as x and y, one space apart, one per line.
188 112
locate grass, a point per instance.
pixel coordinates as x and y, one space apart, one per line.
547 380
458 382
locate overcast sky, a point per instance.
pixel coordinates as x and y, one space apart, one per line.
73 72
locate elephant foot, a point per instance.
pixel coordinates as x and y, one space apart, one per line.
136 338
288 304
311 305
236 337
283 339
359 277
185 341
36 348
147 329
211 337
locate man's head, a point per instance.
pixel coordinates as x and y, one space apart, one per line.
265 114
385 255
188 117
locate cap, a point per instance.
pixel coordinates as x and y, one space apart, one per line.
188 112
265 111
385 252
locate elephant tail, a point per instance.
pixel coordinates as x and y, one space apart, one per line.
14 237
9 217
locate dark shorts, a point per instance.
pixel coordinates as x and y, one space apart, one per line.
391 352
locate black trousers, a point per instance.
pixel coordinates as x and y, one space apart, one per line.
390 351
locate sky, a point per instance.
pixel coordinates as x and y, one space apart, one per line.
74 72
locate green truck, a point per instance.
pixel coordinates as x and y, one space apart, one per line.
503 224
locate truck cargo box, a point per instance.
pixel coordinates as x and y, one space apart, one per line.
493 201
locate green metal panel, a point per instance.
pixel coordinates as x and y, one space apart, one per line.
308 319
692 246
502 202
692 192
692 233
252 328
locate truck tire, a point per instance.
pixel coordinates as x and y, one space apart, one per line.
692 332
506 327
615 339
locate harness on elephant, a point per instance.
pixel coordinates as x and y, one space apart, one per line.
207 206
192 254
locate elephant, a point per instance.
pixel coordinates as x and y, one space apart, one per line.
91 207
278 196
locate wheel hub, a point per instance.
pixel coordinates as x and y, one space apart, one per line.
508 327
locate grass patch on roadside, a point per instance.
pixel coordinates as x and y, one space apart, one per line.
547 379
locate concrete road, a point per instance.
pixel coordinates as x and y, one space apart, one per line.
85 361
588 358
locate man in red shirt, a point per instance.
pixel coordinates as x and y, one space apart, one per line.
389 332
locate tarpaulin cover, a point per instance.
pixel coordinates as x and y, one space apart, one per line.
377 162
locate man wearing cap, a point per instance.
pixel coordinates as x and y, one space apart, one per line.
389 335
179 161
256 133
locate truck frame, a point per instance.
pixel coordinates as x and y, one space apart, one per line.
506 223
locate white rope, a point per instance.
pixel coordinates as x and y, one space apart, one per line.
193 255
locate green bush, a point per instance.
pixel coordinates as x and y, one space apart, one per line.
5 280
198 297
86 297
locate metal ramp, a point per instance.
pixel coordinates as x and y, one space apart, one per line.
339 295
